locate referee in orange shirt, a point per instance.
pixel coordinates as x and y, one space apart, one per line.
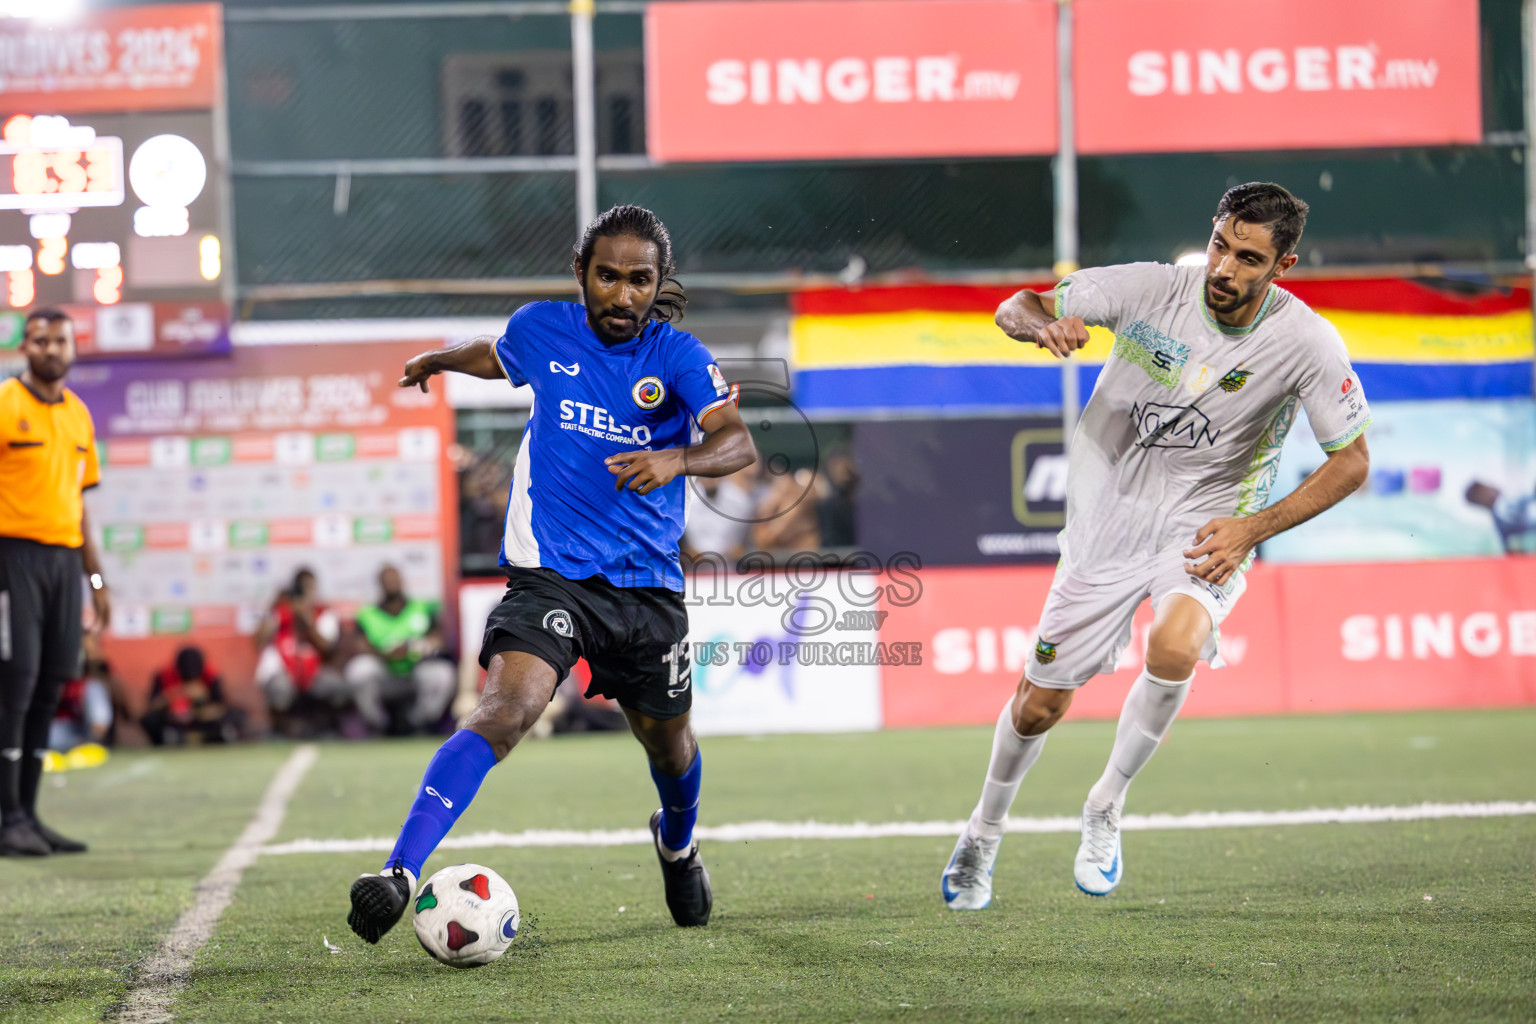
47 460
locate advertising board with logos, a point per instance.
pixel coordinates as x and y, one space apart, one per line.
782 80
113 179
913 78
220 480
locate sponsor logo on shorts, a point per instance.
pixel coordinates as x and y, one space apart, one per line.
558 622
1234 381
1045 651
648 392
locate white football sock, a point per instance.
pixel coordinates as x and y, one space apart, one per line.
1012 756
1149 711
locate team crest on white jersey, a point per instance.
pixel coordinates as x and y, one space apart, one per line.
558 622
649 392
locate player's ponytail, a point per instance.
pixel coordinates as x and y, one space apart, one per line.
637 222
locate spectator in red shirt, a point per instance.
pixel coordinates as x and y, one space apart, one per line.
186 704
297 639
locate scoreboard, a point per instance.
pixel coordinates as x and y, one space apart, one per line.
113 192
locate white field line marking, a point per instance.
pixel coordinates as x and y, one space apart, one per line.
165 974
764 830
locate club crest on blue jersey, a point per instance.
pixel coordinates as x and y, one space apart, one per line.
649 392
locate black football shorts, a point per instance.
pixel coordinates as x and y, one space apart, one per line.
634 638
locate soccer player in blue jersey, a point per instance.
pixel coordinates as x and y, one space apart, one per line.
596 508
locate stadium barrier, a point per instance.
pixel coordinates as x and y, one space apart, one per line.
945 646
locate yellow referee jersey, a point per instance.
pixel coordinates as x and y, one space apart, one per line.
47 458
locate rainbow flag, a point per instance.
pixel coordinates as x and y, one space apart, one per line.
936 349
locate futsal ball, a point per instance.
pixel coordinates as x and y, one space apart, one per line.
466 915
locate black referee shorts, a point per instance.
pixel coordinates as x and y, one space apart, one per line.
635 638
40 590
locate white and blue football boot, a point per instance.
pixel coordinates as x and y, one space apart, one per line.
1099 866
967 881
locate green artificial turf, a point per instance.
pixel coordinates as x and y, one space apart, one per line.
1320 922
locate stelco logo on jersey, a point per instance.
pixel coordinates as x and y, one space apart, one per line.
595 421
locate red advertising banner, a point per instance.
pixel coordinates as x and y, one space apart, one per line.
850 79
977 627
1425 634
1169 76
117 60
1304 639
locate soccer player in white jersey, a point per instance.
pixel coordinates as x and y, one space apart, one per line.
1169 475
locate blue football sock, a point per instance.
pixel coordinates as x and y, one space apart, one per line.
679 803
453 777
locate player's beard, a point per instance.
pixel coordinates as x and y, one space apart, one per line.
48 369
615 326
1225 301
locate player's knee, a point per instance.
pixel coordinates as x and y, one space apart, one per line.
512 702
1037 708
1173 656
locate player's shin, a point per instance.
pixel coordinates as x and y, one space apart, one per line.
1145 718
453 778
1012 757
679 805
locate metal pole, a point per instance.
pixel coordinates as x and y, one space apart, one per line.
1528 49
1066 201
585 102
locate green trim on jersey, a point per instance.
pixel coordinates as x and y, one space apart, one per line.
1347 439
1269 301
1060 305
1264 469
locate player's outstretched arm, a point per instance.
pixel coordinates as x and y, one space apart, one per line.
1222 545
1028 316
726 448
476 358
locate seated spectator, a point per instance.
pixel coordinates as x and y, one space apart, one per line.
87 711
787 522
720 516
403 660
186 704
836 504
297 638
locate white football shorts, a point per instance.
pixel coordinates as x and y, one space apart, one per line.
1085 626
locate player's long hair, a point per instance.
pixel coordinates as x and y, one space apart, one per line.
637 222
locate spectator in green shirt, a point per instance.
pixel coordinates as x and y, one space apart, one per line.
402 659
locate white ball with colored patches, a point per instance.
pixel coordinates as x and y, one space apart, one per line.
466 915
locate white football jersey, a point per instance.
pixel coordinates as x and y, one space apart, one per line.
1187 418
